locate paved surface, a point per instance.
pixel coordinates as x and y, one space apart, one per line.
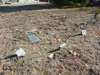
20 7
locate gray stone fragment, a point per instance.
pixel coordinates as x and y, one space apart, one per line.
33 38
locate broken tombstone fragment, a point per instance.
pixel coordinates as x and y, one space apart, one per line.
33 38
51 56
62 45
84 32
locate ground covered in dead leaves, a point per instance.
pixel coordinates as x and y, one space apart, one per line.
81 56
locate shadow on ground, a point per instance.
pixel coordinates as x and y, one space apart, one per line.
7 9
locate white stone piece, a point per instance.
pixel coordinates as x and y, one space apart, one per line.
20 52
51 56
62 45
84 32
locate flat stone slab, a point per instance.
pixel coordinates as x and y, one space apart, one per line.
33 38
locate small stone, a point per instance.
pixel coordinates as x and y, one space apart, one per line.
51 56
87 66
74 53
62 45
84 32
20 52
71 51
